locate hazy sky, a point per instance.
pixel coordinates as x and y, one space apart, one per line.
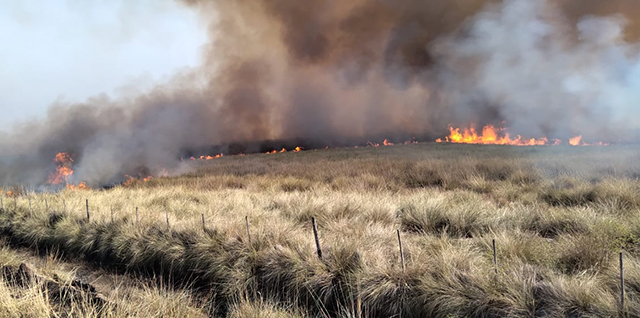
69 50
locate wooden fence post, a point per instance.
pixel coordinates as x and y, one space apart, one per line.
495 257
401 251
315 234
204 227
358 300
88 216
246 220
622 313
137 219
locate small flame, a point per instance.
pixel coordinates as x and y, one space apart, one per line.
130 180
208 157
386 142
283 150
81 186
274 151
575 141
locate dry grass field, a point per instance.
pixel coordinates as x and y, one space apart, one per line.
560 216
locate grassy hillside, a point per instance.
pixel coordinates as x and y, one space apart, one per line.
559 216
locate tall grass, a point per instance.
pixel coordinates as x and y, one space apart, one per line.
559 216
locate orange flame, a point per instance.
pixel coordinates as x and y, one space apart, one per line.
492 135
130 180
296 149
208 157
63 162
81 186
575 141
64 170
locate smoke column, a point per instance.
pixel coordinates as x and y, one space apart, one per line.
331 72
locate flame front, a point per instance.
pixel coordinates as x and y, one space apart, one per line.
492 135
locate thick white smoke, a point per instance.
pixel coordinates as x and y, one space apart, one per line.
522 57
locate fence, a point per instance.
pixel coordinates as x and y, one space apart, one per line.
316 237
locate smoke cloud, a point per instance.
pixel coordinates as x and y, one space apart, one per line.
340 72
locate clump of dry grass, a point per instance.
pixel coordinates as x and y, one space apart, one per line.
260 309
551 222
464 218
572 192
39 293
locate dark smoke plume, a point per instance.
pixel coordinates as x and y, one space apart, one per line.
339 72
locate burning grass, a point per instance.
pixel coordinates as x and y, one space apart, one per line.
559 216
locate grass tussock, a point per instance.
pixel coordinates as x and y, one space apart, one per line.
459 217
